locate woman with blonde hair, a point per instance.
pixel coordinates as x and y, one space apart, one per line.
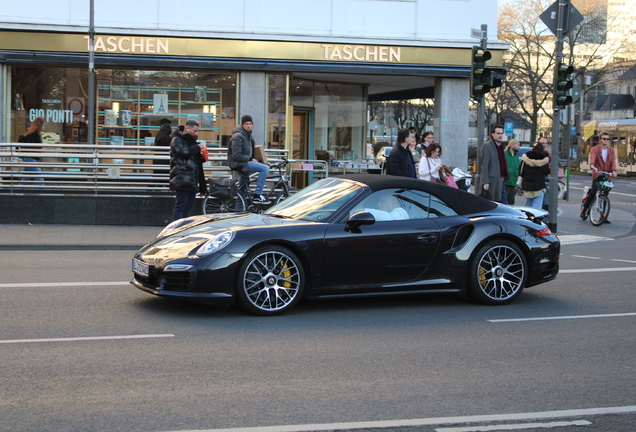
33 136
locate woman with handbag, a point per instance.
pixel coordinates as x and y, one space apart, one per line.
431 167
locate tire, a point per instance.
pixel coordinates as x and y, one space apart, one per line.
599 210
270 282
498 273
212 205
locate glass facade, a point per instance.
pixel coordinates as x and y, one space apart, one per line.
276 111
340 116
130 103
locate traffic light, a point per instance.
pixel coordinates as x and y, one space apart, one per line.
480 74
563 83
497 76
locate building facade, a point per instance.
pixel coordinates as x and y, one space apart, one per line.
303 71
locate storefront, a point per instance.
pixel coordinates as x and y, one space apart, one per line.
308 98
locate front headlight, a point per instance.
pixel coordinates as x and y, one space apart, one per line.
215 244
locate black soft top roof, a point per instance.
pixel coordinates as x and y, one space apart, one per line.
460 201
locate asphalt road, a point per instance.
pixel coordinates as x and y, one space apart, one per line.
82 350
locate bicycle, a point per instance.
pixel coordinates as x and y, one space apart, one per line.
238 196
599 209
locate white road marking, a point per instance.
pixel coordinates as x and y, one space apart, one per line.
426 421
518 426
599 270
588 257
611 193
76 339
563 317
61 284
620 260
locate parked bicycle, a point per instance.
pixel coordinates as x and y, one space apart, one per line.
231 195
600 207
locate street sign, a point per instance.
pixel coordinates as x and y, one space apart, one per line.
476 33
572 130
509 128
572 18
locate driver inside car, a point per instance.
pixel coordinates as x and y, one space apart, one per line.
384 206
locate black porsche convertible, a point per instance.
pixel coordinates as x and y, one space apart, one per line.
353 235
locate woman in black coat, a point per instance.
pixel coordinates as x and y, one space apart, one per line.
535 166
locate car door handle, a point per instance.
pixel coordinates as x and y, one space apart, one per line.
427 238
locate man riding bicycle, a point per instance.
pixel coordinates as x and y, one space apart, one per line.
240 157
602 158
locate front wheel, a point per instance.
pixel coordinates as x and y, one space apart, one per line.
498 273
599 210
271 281
212 204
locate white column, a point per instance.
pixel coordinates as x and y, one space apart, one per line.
251 100
451 120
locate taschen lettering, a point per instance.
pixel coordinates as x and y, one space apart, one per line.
362 53
127 44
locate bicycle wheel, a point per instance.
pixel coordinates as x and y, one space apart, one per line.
561 189
599 210
212 204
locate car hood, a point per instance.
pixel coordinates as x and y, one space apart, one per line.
184 240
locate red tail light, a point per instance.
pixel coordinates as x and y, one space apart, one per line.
544 232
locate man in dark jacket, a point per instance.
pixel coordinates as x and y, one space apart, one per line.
186 168
240 156
400 159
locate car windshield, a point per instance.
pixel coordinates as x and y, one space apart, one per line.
318 202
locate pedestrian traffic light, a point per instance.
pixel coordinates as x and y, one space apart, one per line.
480 74
563 83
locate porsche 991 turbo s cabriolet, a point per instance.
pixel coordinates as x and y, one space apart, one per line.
353 235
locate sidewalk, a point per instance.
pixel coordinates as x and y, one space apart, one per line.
570 229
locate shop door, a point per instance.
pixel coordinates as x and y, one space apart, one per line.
303 146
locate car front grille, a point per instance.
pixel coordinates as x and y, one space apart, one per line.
176 281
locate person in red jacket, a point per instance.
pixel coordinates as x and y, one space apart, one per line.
602 158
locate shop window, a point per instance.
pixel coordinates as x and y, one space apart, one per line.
340 120
276 111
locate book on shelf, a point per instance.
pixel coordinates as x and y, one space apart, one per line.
207 120
200 93
119 92
125 117
159 103
110 117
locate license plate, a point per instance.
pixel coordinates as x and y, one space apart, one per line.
140 268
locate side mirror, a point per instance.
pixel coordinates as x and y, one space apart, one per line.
359 219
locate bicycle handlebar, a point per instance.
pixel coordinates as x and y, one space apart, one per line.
280 164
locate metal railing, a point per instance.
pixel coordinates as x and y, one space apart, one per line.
97 169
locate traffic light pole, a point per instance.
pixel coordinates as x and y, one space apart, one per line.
556 123
480 114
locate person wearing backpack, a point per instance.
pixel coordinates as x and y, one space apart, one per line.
33 136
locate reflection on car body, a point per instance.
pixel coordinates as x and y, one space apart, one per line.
326 241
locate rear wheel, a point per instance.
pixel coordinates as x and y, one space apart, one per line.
498 273
599 210
271 281
212 205
562 189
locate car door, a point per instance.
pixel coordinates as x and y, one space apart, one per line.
386 253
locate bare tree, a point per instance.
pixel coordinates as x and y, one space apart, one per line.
530 60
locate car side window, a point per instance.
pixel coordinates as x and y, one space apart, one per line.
439 208
424 205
